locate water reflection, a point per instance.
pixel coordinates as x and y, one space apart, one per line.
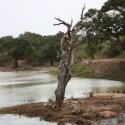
21 120
120 120
34 86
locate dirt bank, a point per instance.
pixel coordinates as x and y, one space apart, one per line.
101 106
104 68
27 68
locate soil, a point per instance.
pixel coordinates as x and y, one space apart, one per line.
27 68
82 110
104 68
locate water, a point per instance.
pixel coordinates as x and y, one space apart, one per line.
24 87
120 120
38 86
21 120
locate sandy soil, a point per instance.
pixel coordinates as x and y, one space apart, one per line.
100 106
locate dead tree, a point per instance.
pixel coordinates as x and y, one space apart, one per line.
68 44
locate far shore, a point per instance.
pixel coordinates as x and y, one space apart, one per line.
27 68
112 69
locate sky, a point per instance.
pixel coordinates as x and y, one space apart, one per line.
37 16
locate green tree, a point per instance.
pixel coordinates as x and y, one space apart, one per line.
6 44
21 51
103 26
51 46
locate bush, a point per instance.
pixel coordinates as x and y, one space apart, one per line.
111 51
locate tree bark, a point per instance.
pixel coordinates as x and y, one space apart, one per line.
63 78
60 91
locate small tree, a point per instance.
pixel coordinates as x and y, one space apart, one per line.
70 41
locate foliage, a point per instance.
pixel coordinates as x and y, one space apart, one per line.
33 48
99 26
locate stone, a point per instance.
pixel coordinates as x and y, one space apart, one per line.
80 121
107 114
121 117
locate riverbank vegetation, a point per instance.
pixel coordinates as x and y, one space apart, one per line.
112 69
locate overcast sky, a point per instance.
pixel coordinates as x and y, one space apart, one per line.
19 16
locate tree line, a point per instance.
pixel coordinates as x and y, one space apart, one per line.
33 48
104 32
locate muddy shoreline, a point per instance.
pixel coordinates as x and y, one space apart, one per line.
27 68
101 106
112 69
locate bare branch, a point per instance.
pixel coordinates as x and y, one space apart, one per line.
57 24
59 55
62 22
71 22
82 12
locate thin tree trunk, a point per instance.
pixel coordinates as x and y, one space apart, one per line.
51 62
15 63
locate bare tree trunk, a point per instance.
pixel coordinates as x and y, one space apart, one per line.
63 79
68 45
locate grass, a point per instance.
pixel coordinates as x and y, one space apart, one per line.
117 89
53 72
80 71
3 110
76 71
89 72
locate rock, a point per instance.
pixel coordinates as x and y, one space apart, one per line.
89 115
88 122
77 111
80 121
107 114
120 118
